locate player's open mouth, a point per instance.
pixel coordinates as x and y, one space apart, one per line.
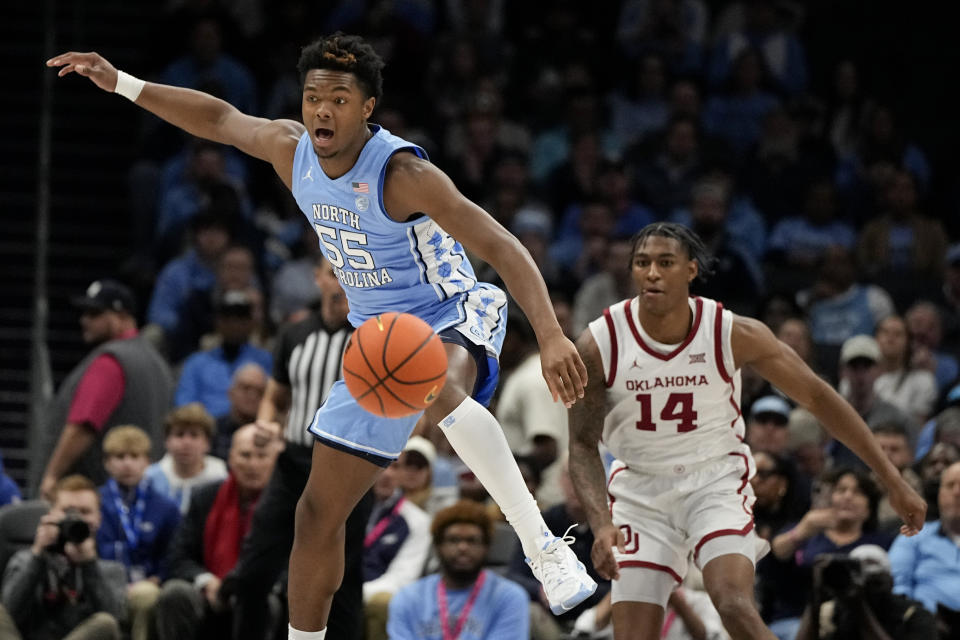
649 292
322 134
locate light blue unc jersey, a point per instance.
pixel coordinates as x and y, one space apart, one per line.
414 267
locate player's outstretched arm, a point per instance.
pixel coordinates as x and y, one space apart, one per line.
413 186
586 468
193 111
755 345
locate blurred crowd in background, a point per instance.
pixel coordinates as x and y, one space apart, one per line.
789 145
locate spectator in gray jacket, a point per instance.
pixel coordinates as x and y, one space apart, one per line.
123 380
59 589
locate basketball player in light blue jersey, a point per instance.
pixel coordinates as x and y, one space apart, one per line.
387 220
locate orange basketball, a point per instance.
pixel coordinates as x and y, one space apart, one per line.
394 365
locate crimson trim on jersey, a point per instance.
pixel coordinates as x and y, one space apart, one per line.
736 407
609 482
643 564
720 533
683 345
746 474
613 346
718 344
731 532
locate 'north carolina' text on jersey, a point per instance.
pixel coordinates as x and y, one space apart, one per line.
670 408
383 265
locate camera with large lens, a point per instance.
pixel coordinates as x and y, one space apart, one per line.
73 529
838 576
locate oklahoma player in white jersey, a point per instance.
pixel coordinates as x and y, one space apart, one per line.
669 411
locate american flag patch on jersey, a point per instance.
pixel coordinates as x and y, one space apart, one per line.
361 187
698 357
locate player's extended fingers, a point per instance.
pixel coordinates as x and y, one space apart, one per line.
66 69
582 370
577 380
610 565
600 563
604 561
554 377
551 385
70 57
565 389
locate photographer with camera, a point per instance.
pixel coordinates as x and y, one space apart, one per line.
853 599
59 589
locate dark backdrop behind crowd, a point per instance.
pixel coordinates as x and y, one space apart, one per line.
67 148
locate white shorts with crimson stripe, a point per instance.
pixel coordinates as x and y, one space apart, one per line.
669 519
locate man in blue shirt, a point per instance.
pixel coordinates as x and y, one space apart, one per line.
926 567
463 601
206 375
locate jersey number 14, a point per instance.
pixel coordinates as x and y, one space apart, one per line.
679 407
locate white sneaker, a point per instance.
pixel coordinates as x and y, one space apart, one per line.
564 578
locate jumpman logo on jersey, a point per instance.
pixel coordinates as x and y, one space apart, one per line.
636 364
308 175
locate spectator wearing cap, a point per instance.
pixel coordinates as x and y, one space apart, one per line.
189 432
415 476
123 380
193 270
235 270
927 566
859 370
206 374
767 424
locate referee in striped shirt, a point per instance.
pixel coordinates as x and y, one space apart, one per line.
307 362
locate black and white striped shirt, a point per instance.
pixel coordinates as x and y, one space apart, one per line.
307 360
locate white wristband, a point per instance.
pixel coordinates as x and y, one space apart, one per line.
128 86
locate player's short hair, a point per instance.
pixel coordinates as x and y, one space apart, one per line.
341 52
75 482
126 439
462 512
191 415
686 237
